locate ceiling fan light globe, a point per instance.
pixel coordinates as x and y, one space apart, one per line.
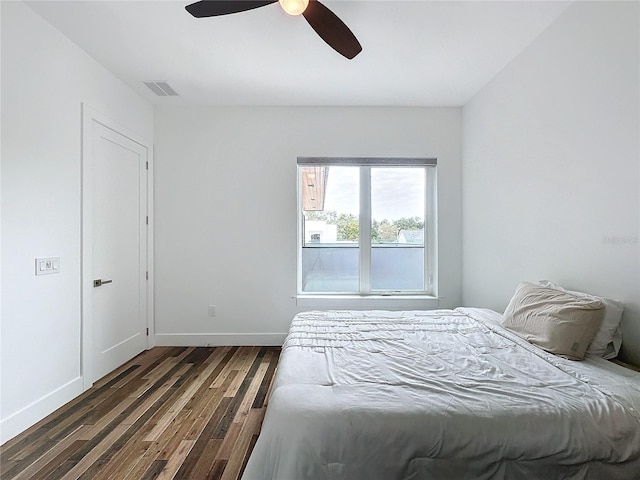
294 7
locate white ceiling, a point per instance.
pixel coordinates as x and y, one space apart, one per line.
415 53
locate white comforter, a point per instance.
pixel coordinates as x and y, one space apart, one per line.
440 395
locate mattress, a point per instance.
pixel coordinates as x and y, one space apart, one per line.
443 394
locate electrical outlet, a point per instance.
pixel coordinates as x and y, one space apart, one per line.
212 310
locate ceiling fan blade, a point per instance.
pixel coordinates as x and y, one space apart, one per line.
214 8
332 30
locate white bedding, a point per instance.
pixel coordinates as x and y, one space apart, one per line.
445 394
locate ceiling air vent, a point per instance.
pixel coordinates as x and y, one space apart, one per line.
162 89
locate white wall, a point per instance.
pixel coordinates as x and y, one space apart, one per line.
551 166
225 207
45 78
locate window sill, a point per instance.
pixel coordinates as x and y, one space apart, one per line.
388 302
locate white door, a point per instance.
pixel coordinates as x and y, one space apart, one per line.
116 248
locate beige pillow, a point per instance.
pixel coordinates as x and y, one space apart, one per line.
556 321
608 339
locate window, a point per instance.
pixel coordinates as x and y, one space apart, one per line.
366 226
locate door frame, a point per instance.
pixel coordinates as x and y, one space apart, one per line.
89 117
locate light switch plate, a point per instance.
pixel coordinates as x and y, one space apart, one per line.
47 265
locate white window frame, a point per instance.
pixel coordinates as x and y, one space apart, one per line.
375 298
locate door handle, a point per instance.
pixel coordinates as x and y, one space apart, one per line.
99 282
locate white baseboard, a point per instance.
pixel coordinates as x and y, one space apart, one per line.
218 339
19 421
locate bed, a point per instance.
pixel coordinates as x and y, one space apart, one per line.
442 394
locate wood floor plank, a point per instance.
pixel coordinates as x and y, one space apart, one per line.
174 436
267 381
88 453
107 417
160 449
236 401
229 441
175 462
205 464
48 469
231 364
202 440
94 451
123 461
236 459
218 469
250 395
154 470
205 393
160 370
51 466
171 412
243 369
148 420
53 456
209 409
181 402
152 392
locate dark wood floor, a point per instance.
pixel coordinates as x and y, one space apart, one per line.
171 412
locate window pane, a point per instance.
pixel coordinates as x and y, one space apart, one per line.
397 228
330 228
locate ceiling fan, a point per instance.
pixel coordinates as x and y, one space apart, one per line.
326 24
